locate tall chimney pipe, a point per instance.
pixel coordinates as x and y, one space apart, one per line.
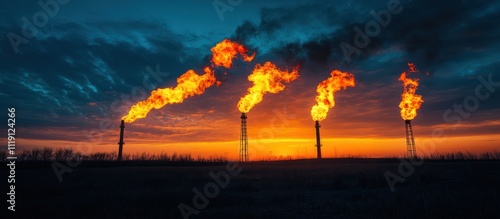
121 143
318 139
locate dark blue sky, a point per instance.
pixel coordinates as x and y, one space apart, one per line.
73 73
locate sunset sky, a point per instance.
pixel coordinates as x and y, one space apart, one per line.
82 71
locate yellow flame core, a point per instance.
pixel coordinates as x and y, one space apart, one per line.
266 78
410 101
188 84
225 51
326 89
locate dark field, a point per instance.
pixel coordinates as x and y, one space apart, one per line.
329 188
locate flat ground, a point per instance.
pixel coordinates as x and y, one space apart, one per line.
330 188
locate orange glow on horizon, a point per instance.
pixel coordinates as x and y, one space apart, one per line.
299 148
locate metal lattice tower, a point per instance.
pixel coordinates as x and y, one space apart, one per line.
410 141
243 139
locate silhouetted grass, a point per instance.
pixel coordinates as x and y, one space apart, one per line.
463 156
66 154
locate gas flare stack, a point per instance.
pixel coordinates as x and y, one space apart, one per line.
409 105
318 139
410 141
243 139
121 143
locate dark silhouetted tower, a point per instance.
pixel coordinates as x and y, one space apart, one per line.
243 139
410 141
318 139
121 143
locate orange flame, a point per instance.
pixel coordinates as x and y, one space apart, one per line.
410 102
266 78
326 89
225 51
188 84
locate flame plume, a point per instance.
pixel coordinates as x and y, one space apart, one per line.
188 84
225 51
410 102
326 89
266 78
